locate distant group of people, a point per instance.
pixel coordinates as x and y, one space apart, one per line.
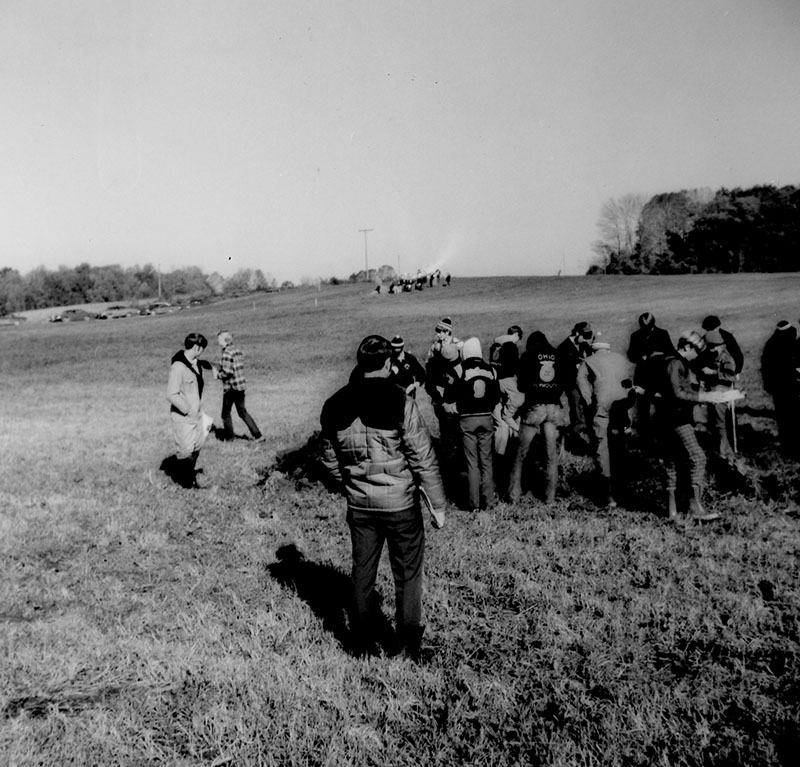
406 283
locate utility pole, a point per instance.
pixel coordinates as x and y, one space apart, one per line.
366 259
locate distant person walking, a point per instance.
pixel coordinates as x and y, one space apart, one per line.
377 447
231 373
779 373
190 426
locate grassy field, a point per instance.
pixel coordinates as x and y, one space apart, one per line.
144 624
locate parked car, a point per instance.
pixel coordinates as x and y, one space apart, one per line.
117 311
158 307
55 318
76 315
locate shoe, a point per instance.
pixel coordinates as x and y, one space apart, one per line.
706 516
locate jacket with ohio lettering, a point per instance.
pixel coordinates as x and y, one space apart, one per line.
540 377
476 391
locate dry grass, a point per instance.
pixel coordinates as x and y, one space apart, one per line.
144 624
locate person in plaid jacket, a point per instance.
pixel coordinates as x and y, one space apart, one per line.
231 373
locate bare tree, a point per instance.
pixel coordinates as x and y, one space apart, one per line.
618 226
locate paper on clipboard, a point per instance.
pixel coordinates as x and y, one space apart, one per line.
437 517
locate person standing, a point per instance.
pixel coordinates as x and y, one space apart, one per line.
678 393
474 397
779 362
542 384
712 322
575 348
648 340
406 370
190 426
231 373
604 380
504 357
376 447
718 373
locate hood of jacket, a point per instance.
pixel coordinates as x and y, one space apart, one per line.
471 349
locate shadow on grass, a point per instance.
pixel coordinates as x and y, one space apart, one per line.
329 593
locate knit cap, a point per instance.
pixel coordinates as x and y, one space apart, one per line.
472 348
445 324
397 343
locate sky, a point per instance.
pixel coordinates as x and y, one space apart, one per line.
479 137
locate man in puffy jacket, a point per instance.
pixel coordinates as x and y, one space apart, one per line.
474 397
541 381
604 380
376 446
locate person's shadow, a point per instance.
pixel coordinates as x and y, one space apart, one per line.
329 593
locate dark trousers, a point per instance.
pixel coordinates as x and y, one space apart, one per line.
477 433
404 534
235 397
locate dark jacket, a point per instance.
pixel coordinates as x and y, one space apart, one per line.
377 447
677 388
476 391
645 341
732 345
779 361
539 376
569 357
407 371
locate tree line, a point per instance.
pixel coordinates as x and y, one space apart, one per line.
698 230
85 284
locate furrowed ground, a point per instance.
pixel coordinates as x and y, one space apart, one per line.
143 624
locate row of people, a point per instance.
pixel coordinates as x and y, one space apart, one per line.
581 388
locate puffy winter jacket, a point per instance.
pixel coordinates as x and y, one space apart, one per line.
377 446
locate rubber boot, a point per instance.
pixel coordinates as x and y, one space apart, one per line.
696 511
184 472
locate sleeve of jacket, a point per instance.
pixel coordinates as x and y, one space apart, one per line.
330 464
419 453
584 385
679 384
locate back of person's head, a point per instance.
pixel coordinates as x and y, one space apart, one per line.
692 339
471 349
372 353
397 344
646 320
583 330
536 340
712 322
225 337
195 339
515 330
